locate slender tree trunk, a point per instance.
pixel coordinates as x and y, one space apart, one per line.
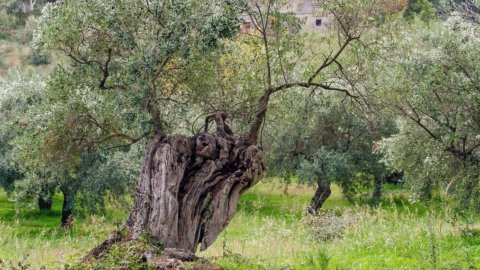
45 203
67 208
28 5
189 187
426 188
377 189
321 195
45 199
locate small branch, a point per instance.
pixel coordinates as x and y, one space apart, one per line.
328 61
219 118
111 136
105 69
310 84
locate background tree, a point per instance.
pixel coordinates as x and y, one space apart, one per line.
423 9
40 176
434 89
19 92
328 140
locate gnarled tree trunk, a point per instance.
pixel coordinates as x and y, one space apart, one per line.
189 187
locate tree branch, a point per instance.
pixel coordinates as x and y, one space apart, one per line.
105 69
111 136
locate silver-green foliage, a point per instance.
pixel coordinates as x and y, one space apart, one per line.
18 93
123 73
431 81
120 66
322 138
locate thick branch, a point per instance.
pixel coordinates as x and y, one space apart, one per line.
157 121
263 103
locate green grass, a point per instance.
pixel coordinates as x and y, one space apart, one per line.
35 238
270 231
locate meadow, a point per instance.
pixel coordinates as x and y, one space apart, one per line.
270 231
70 95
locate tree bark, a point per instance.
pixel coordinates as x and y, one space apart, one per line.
67 208
45 198
189 187
321 195
377 189
45 203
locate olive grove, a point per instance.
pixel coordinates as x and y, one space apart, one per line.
134 71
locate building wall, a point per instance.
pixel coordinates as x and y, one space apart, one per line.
311 13
314 17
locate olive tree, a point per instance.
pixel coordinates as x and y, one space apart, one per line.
327 140
432 84
128 74
24 172
18 93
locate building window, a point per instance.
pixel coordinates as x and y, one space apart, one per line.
318 22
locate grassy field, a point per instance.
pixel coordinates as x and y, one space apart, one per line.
270 232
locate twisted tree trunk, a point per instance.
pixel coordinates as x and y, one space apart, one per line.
321 195
189 187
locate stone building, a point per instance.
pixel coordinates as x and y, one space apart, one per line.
318 20
310 11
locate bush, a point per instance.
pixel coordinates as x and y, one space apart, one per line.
38 59
327 226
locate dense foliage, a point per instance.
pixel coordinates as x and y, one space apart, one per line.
435 93
18 93
329 140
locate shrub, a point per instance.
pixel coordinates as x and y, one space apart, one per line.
38 59
327 226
